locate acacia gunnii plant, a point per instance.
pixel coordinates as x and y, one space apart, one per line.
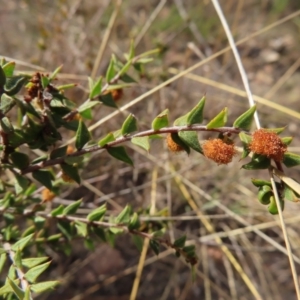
33 114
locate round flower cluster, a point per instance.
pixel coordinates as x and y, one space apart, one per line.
172 146
47 195
267 143
219 151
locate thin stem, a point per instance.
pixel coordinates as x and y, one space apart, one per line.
106 38
21 275
236 56
285 235
123 139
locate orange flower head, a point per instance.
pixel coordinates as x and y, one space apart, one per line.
267 143
172 146
219 151
66 178
116 94
47 195
70 149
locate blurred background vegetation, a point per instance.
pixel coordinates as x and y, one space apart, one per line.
41 35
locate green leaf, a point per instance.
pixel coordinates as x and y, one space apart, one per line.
124 215
290 194
22 243
32 274
43 286
287 140
45 81
145 60
189 250
12 272
159 233
175 137
54 237
143 142
264 194
125 68
129 125
192 117
71 171
1 252
89 244
108 138
99 232
131 50
58 152
110 73
3 258
260 182
6 125
112 232
244 121
154 245
276 130
8 69
246 139
27 295
66 86
96 89
45 177
134 222
91 83
14 84
18 259
74 159
5 289
67 229
87 114
180 242
273 209
72 208
127 79
87 105
20 160
261 163
162 120
57 103
190 138
32 262
21 183
16 289
82 135
81 227
57 211
120 153
30 190
6 104
2 77
108 100
195 116
291 159
55 72
219 120
97 213
138 241
117 133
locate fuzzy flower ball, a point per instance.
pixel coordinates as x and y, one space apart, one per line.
267 143
172 146
219 151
